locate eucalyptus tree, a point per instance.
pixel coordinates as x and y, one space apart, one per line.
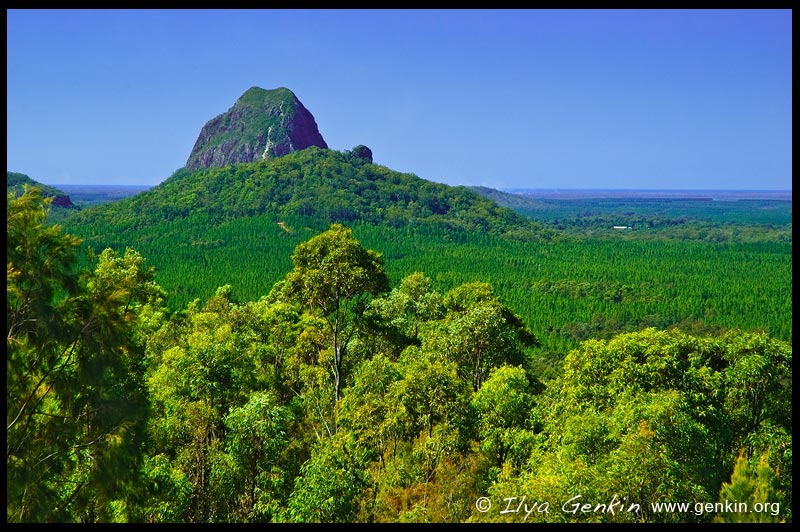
653 417
478 332
334 277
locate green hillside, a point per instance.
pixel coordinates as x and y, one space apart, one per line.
15 183
239 224
320 186
338 397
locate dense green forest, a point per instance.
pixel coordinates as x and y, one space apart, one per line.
239 224
314 184
234 355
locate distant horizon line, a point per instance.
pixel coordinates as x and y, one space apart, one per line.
507 189
560 189
654 194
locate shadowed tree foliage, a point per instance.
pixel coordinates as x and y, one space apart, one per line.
74 387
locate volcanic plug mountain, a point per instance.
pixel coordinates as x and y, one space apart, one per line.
261 124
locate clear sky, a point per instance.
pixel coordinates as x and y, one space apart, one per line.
616 99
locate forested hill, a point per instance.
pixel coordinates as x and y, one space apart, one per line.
507 199
15 183
319 186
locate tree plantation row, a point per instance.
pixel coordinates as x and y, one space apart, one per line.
239 224
357 388
567 290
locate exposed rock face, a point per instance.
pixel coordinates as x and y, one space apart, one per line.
362 152
261 124
62 201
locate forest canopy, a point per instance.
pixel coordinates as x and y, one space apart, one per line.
337 397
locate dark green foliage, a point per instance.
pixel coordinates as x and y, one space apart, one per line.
239 225
568 291
313 184
74 389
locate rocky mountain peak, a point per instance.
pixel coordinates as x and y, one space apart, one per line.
261 124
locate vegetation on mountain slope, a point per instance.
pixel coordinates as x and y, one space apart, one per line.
15 184
313 184
337 398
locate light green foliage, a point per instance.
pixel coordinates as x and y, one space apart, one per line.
654 416
333 277
257 436
756 487
503 405
125 279
193 386
430 392
331 269
333 399
39 261
478 333
410 305
414 414
758 376
772 443
331 484
275 331
369 410
428 422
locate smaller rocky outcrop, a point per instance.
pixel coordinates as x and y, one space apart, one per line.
62 201
362 152
15 183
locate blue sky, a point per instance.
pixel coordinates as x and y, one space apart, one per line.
567 99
